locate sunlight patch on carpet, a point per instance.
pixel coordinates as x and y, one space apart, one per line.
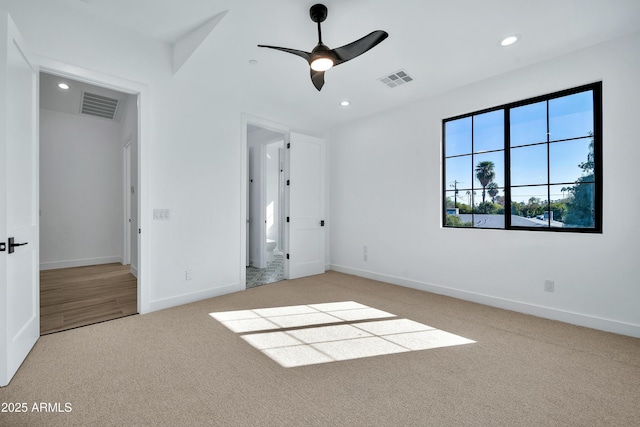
320 333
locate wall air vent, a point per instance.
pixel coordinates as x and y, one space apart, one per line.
98 105
396 79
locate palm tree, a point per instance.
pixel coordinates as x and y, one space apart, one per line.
492 189
485 174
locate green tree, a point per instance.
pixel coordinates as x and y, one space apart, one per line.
485 174
448 203
455 221
559 209
534 207
581 208
517 208
489 208
463 208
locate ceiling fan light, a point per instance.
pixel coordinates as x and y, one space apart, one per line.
321 64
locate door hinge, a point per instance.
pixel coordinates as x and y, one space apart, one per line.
322 223
288 182
287 256
288 145
287 219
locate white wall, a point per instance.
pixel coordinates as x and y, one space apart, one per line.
80 190
386 194
129 133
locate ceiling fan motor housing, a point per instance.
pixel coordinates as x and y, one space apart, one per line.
321 50
318 13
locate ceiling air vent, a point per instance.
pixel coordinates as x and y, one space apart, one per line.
98 105
396 79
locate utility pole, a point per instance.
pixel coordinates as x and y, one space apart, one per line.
455 193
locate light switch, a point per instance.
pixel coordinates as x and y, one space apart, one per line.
161 214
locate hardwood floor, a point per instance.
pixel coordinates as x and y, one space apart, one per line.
80 296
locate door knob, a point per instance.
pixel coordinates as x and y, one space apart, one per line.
12 244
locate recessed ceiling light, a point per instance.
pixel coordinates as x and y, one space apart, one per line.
509 40
345 103
63 86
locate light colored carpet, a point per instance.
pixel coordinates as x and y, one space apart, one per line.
181 367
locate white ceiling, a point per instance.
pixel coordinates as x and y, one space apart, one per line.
442 44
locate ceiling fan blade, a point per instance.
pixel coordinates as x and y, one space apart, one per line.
317 77
300 53
358 47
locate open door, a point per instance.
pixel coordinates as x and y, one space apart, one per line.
257 231
306 159
19 221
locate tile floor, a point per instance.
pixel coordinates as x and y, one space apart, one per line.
273 273
320 333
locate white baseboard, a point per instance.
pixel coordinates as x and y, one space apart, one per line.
79 262
134 271
579 319
195 296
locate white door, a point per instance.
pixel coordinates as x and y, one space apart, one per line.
257 233
19 271
305 254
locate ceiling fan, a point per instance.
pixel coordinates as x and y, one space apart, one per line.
321 58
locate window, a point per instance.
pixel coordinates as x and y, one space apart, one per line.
529 165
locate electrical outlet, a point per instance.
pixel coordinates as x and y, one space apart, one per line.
549 286
187 275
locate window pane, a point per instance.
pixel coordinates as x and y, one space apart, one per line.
466 201
490 213
456 217
458 137
560 197
571 116
488 131
528 124
529 206
458 169
581 206
452 200
460 200
570 160
490 162
529 165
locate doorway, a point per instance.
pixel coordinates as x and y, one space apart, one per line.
88 201
265 206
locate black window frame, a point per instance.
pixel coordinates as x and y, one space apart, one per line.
596 89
